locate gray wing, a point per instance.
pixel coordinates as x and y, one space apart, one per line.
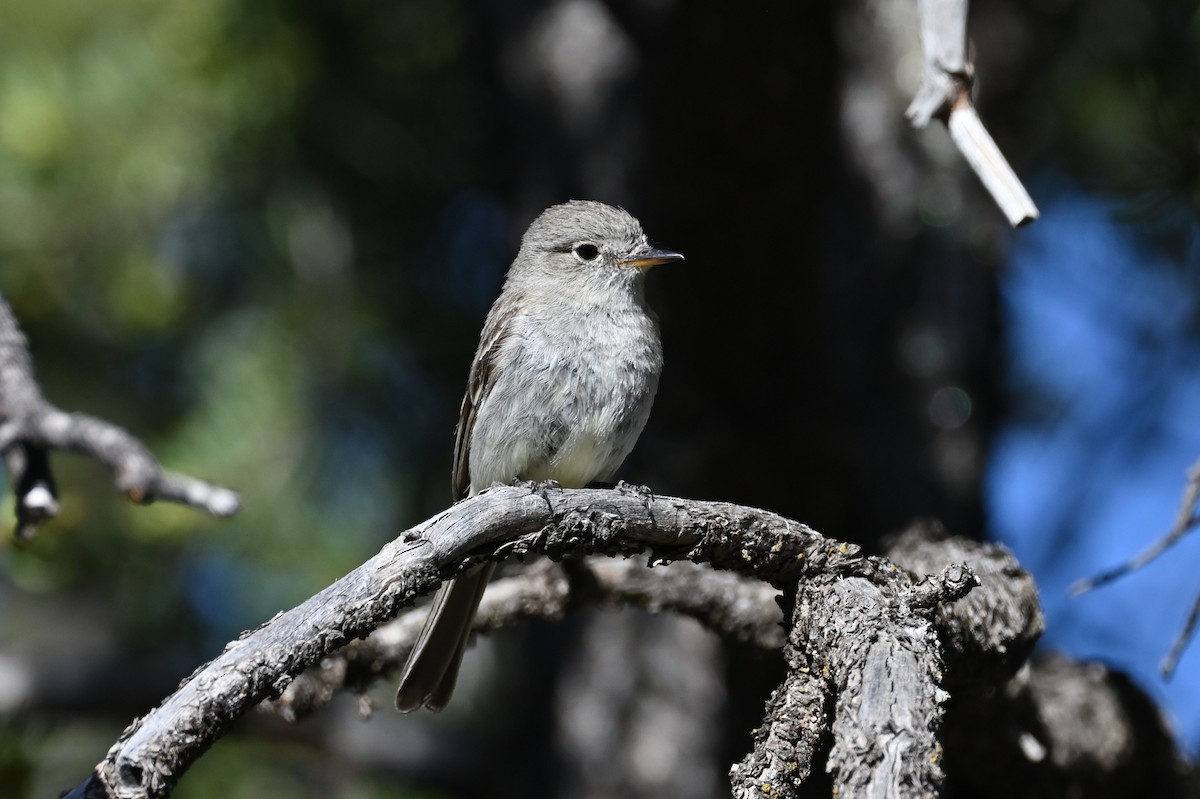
432 668
479 384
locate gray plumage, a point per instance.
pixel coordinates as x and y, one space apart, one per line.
560 389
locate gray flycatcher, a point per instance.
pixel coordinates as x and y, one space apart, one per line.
560 389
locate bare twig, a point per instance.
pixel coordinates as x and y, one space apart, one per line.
1181 641
945 92
977 146
1185 520
30 427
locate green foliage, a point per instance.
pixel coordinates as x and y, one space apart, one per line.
16 757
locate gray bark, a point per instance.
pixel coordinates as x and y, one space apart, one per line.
155 751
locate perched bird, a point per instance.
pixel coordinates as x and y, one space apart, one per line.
560 389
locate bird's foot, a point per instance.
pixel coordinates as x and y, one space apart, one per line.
642 492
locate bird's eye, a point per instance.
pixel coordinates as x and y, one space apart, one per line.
586 252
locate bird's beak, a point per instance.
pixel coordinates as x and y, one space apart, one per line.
651 257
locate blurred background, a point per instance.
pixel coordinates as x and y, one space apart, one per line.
263 237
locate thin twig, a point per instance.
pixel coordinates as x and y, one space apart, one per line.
1181 641
1185 521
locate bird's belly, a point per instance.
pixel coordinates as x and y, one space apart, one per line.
581 460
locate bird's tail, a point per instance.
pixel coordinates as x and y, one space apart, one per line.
432 668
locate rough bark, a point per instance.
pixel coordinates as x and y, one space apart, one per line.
991 632
866 667
155 751
739 608
1049 727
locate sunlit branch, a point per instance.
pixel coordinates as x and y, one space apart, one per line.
527 520
739 608
945 92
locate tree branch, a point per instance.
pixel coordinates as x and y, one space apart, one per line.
30 427
1013 724
989 634
1167 669
155 751
945 92
739 608
864 666
859 620
1185 520
786 747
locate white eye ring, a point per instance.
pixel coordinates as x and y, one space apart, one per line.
586 251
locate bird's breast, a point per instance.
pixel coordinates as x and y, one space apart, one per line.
577 395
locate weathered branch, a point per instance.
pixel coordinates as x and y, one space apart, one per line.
1186 519
864 661
785 747
945 92
30 427
739 608
888 710
154 752
1013 725
864 669
863 664
989 634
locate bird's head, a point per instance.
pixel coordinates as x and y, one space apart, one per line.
588 238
